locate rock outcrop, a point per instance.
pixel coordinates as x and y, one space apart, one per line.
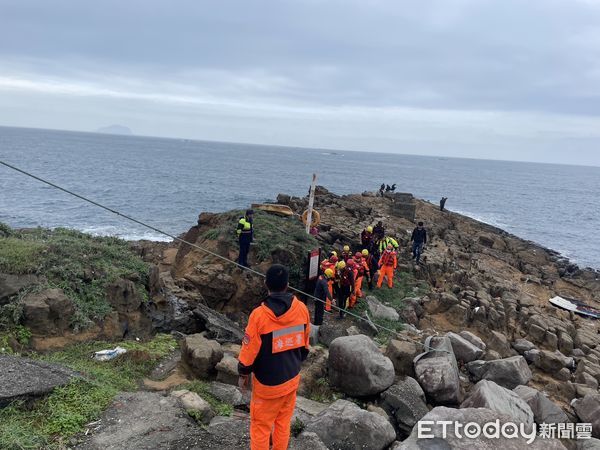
26 379
434 436
508 372
201 355
345 426
437 372
487 394
357 367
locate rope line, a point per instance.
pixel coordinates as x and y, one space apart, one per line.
216 255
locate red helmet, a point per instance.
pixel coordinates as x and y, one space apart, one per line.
358 255
350 262
333 259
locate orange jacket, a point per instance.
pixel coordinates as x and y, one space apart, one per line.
388 259
274 346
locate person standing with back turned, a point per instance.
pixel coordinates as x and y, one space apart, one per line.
245 232
274 345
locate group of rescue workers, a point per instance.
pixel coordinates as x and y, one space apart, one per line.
342 276
276 339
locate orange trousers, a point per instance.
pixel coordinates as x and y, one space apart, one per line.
271 417
358 286
386 271
327 301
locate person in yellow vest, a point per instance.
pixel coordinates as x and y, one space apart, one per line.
245 233
387 265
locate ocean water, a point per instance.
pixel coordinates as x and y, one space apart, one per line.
167 182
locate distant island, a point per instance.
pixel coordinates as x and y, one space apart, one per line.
115 129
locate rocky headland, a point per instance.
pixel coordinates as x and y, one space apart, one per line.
470 334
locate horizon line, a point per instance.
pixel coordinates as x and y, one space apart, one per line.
290 147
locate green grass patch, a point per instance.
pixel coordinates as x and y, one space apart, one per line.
201 388
80 264
19 256
65 412
282 238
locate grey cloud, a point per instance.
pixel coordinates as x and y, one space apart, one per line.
289 59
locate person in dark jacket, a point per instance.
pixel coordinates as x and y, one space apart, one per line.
323 293
273 348
381 189
378 231
245 233
443 203
419 239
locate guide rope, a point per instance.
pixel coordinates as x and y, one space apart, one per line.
216 255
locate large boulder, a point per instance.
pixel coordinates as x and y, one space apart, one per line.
331 330
12 284
508 372
227 369
402 354
405 402
487 394
473 339
24 378
345 426
48 312
357 367
380 311
434 437
464 350
437 372
544 411
201 354
522 345
218 326
551 362
226 393
588 411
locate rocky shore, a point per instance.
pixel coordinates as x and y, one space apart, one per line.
474 337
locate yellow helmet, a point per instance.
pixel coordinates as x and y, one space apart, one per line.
333 253
341 265
370 229
346 248
329 273
365 252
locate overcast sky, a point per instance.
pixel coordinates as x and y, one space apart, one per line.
502 79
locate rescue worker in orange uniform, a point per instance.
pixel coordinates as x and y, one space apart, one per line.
274 345
362 272
344 285
346 253
387 264
371 264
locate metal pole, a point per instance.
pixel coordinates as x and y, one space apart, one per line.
311 200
